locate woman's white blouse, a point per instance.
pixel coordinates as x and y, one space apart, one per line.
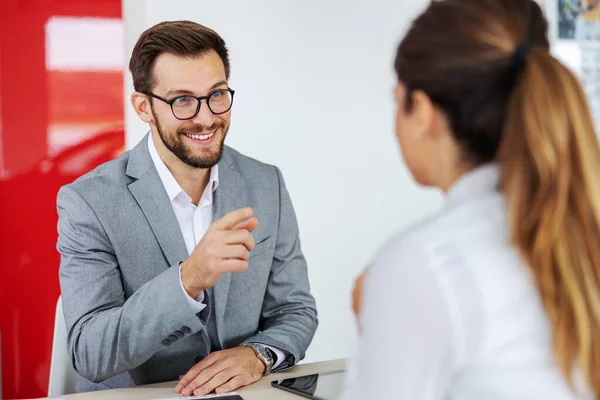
450 311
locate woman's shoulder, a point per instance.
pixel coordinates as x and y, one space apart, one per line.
456 232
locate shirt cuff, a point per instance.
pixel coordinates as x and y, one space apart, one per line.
196 303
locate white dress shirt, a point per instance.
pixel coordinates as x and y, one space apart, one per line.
193 220
450 311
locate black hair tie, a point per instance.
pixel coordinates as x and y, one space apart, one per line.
520 55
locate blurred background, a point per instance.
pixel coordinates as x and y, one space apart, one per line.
313 83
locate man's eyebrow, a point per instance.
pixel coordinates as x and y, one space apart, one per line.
172 92
180 92
220 83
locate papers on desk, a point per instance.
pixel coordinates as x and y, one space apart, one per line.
206 396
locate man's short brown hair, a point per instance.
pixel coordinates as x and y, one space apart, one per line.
181 38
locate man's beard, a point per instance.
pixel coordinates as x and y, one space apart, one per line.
176 145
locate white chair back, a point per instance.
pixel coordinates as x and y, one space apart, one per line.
62 374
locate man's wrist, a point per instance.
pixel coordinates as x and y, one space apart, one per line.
262 366
192 290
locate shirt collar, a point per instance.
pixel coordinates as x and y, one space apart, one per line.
482 179
168 180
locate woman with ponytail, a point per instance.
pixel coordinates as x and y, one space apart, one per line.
498 295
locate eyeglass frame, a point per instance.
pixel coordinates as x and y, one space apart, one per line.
199 99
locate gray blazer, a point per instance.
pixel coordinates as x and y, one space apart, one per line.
127 318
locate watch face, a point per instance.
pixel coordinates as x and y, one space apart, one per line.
265 355
264 351
271 354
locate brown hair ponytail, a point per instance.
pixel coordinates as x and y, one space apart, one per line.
550 166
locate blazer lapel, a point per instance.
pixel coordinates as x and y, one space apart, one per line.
231 194
152 198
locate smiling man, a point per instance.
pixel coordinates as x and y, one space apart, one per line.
181 258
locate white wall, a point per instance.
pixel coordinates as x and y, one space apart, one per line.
567 51
313 83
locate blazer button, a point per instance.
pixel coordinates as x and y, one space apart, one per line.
166 342
173 338
197 359
179 334
186 329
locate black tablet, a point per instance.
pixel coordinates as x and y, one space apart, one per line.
213 396
325 386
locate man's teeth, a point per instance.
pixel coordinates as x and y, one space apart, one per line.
201 137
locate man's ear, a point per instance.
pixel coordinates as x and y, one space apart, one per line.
141 105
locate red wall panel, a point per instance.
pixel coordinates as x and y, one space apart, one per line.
34 105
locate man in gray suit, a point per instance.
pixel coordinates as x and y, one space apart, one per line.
165 269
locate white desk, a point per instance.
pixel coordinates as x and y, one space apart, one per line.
260 390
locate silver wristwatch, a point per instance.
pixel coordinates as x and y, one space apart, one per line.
263 355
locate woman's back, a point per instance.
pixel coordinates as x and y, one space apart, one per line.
480 333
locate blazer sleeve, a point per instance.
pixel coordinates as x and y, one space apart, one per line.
108 334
